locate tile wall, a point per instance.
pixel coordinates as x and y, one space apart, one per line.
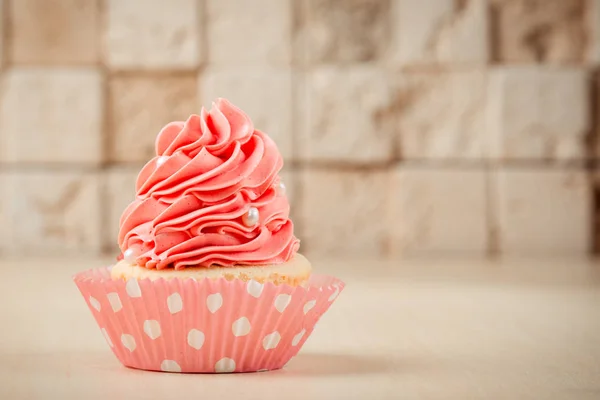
409 127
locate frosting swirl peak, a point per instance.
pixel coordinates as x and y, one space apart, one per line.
193 198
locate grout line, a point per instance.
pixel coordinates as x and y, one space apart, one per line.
151 73
104 28
591 140
434 69
104 199
592 143
438 164
43 167
298 100
202 33
204 45
6 33
100 12
329 165
594 221
106 78
107 123
491 213
493 36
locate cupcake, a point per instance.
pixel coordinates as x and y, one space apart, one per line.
209 278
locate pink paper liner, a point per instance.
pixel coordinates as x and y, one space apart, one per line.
177 325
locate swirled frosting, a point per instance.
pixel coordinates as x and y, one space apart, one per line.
192 197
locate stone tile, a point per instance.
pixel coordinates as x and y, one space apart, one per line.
51 213
245 33
538 113
442 115
437 211
141 105
543 211
330 31
346 114
52 115
440 32
549 31
54 31
119 192
149 35
265 94
343 213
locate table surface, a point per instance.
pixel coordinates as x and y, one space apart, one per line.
430 329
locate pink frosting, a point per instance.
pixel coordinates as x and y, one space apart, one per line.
191 197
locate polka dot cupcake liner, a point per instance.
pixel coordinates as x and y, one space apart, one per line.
205 326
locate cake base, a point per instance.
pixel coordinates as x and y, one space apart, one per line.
294 272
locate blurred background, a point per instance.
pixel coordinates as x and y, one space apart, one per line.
409 127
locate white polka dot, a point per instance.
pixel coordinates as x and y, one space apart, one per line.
115 301
225 365
271 340
334 294
241 327
95 303
282 301
214 302
128 341
152 328
170 366
298 337
110 343
309 306
133 288
195 338
174 303
255 288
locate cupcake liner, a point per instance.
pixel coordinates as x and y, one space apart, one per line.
208 325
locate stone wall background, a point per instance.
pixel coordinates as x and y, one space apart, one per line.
409 127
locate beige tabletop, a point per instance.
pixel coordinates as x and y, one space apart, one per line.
434 329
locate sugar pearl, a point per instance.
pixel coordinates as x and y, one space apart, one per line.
251 217
129 256
161 160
